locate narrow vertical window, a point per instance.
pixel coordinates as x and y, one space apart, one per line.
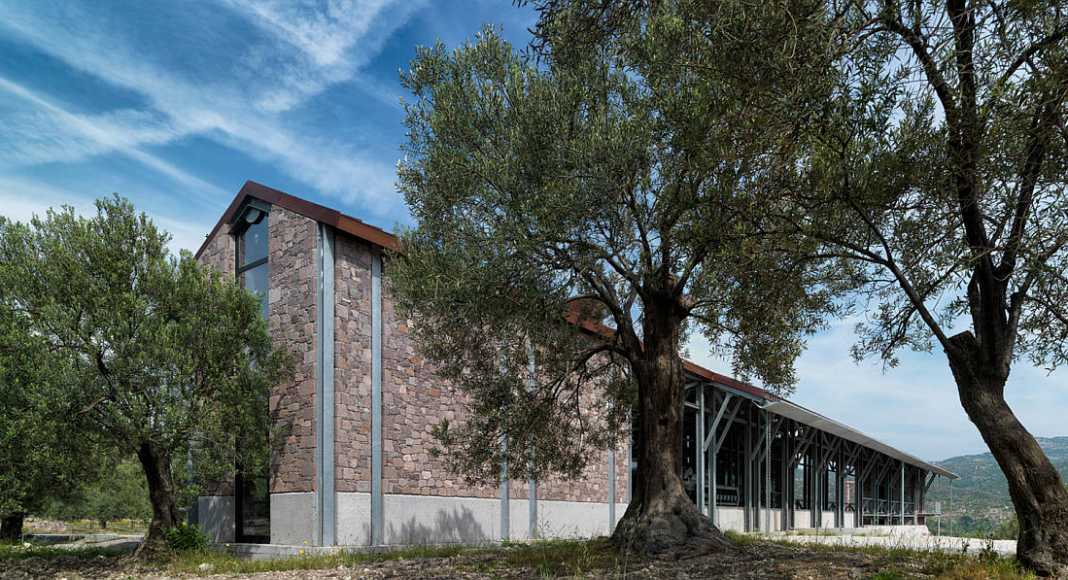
252 255
252 481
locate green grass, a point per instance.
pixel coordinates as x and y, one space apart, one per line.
900 563
24 550
84 526
558 558
222 562
552 558
549 558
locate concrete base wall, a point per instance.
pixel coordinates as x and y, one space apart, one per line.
775 525
216 517
730 518
293 518
414 519
828 520
418 519
353 519
575 519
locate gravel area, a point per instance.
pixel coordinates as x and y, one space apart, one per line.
752 561
909 541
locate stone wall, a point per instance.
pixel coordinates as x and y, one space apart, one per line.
352 362
291 321
220 252
413 401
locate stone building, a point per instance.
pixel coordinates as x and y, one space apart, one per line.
351 460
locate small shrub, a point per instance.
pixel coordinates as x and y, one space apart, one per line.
186 538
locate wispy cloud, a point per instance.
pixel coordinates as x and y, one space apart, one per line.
22 199
244 115
63 135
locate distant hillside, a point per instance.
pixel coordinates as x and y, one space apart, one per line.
981 493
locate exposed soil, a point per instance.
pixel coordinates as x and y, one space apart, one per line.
752 561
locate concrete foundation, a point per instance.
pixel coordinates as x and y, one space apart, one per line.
216 513
415 519
293 518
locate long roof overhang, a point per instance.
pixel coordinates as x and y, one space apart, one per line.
800 414
791 410
382 238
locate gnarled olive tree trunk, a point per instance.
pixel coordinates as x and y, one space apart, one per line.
11 527
661 519
1037 491
156 463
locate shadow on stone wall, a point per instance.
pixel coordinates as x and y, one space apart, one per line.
450 526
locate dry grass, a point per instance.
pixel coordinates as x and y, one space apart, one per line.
756 557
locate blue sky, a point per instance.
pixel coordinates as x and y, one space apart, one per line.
176 104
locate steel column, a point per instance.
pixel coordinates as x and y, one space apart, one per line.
611 490
699 449
325 496
902 498
505 492
377 516
532 484
767 472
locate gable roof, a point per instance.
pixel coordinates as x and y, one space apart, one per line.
308 209
379 237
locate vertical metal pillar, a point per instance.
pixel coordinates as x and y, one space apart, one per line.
748 504
902 492
532 484
858 491
612 490
839 489
505 494
377 519
817 505
787 475
699 448
715 459
767 472
325 496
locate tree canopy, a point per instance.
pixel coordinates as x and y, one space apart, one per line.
39 461
162 356
608 178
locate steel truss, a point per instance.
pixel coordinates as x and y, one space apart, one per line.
792 474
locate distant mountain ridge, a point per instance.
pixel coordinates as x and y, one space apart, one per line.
982 492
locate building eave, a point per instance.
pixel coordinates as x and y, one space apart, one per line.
341 222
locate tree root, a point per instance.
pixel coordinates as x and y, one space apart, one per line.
677 532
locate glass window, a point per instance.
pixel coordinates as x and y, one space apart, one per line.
255 280
252 245
252 497
252 255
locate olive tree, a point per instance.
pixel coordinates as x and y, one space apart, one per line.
936 177
933 168
612 182
163 356
39 461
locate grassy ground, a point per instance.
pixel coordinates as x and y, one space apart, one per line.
755 558
37 526
901 563
550 558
